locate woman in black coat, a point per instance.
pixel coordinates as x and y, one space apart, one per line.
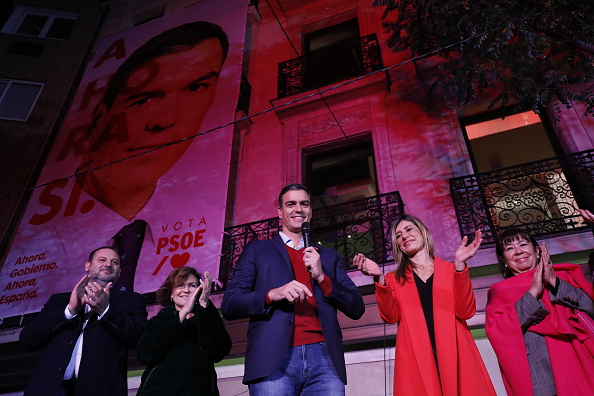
184 340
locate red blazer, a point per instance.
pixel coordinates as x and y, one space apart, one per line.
461 368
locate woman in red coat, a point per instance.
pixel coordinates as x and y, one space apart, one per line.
431 300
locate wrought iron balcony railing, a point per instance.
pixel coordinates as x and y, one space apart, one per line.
329 65
541 196
361 226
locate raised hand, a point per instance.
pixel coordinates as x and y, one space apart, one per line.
465 252
587 215
366 266
369 267
206 285
292 292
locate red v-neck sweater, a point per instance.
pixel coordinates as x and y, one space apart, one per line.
306 327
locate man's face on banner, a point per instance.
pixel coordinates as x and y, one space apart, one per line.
165 100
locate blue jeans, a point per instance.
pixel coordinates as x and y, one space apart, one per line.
306 370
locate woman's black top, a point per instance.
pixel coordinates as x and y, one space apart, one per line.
181 356
425 290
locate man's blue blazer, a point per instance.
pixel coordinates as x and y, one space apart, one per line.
265 265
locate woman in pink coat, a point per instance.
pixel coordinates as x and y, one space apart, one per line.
431 300
533 321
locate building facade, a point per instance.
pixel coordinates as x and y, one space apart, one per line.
326 103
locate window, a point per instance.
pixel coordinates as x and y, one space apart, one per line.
40 22
332 54
339 178
522 183
517 139
341 174
331 36
17 99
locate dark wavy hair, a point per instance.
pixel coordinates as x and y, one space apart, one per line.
175 277
403 263
178 39
508 236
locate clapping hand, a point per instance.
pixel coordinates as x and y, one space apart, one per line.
97 296
76 296
544 273
92 293
548 273
206 286
186 311
537 286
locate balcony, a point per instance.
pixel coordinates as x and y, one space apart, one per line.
329 65
361 226
541 196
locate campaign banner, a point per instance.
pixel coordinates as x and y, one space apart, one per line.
126 169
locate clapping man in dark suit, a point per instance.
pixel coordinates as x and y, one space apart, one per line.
84 335
291 295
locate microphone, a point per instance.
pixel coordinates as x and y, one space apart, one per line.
306 232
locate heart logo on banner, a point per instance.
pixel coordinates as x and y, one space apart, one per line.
179 260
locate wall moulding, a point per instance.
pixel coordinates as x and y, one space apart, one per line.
346 118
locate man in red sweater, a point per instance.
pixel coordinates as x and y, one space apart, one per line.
291 295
